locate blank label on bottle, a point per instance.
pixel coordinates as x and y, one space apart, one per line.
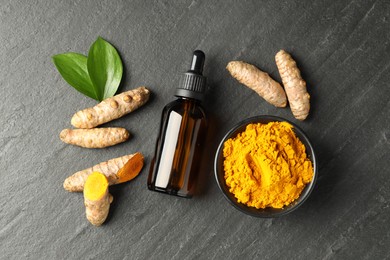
168 152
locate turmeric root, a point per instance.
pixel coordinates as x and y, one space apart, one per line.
258 81
94 138
111 108
97 200
294 85
116 170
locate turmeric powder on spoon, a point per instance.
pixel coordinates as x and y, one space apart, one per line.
266 165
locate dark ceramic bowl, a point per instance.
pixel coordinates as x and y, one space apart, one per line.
267 212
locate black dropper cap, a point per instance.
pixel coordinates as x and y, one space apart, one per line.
193 84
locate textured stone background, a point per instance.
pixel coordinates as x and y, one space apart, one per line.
343 50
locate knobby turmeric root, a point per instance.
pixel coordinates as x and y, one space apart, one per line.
294 85
97 200
111 108
258 81
116 170
96 137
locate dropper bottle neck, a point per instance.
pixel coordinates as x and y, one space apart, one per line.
193 83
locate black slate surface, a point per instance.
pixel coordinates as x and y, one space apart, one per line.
343 50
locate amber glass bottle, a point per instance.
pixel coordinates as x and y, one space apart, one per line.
176 162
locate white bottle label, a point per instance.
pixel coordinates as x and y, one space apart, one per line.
169 148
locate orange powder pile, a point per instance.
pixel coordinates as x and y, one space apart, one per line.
266 165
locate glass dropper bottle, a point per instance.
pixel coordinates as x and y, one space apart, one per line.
177 157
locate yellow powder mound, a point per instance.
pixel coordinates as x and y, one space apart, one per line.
266 165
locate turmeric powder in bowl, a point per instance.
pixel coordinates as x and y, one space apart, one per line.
266 165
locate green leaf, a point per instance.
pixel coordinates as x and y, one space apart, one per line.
104 67
73 68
